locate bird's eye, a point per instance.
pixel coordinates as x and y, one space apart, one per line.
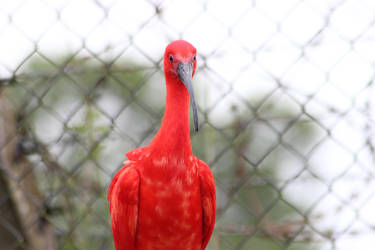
194 58
171 58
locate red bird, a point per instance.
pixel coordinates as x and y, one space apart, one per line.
164 197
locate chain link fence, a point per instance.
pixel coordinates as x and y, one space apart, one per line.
286 104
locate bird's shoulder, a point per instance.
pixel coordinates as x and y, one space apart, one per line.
128 175
203 168
126 180
138 154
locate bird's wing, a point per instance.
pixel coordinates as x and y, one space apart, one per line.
208 197
123 195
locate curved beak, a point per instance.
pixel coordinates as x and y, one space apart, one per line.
185 72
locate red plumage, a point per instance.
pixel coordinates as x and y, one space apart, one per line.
164 197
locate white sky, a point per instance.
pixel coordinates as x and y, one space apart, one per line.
247 44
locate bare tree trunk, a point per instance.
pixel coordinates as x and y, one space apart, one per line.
22 223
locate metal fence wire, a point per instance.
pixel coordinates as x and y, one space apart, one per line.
285 98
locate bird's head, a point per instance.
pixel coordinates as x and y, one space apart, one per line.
180 62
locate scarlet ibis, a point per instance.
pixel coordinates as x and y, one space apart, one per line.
164 197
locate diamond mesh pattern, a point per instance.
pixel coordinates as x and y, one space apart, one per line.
286 104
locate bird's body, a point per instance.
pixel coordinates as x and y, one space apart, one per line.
164 197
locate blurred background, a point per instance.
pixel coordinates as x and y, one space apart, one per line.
285 96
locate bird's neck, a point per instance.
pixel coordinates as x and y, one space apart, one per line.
174 134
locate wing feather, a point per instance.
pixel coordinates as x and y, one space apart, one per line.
123 195
208 197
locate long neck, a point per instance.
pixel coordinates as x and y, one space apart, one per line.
174 134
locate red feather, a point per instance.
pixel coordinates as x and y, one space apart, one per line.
208 197
123 196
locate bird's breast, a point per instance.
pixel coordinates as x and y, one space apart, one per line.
170 213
